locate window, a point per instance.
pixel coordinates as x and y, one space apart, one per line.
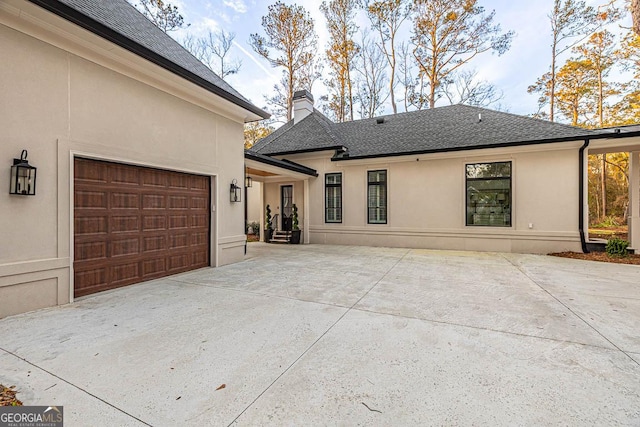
377 197
333 197
489 194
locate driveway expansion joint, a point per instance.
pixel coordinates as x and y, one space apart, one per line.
480 328
319 338
533 280
74 386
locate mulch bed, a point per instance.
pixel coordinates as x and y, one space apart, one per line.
600 256
8 396
253 238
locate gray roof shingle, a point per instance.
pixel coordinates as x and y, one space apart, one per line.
451 128
121 23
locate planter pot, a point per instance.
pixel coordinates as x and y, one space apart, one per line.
295 237
268 234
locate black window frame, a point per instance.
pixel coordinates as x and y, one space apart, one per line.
496 178
328 186
371 184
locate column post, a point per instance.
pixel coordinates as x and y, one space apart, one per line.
634 200
307 213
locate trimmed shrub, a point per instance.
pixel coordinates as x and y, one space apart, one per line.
617 247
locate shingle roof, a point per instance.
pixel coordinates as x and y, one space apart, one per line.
121 23
451 128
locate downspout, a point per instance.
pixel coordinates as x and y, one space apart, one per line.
583 241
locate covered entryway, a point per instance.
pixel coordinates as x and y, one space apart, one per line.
283 183
134 223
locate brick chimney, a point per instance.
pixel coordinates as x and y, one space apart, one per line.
302 105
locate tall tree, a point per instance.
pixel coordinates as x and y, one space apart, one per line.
213 51
574 87
340 55
464 88
371 78
289 32
163 14
598 51
570 20
386 17
413 82
627 110
255 131
448 34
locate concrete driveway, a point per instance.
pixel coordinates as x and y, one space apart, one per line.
336 335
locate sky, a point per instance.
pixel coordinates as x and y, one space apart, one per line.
511 73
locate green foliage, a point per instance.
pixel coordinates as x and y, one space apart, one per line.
255 226
608 222
267 218
617 247
295 218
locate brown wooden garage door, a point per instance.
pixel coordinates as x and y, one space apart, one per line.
133 224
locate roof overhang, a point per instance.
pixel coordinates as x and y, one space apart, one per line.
615 142
265 166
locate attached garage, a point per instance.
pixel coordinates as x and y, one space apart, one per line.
134 141
133 224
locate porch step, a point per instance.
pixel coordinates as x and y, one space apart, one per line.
280 237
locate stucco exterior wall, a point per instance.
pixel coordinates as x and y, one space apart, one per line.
426 201
58 104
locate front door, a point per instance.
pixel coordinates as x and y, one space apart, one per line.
286 201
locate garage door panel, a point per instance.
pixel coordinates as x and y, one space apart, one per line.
91 250
199 203
91 225
91 199
179 262
179 181
137 224
90 281
178 202
154 243
200 258
125 273
177 241
150 178
154 222
178 221
128 200
199 220
124 247
199 183
85 172
154 201
125 224
124 175
155 267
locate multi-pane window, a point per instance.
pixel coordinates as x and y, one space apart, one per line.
489 194
333 197
377 197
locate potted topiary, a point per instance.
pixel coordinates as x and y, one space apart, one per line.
295 229
268 232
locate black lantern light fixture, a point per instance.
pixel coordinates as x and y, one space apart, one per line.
248 182
23 177
236 192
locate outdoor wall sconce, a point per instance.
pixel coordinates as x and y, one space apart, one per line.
23 177
236 192
248 182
